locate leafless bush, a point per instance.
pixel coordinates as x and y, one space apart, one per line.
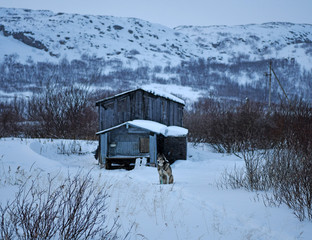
254 166
12 117
201 121
63 112
58 111
73 209
285 171
228 125
289 164
286 168
290 174
73 147
251 177
234 179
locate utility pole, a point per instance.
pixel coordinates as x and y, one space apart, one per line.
269 74
270 84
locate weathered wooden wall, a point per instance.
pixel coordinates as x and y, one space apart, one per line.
127 141
139 104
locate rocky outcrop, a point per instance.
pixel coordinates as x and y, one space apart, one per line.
25 38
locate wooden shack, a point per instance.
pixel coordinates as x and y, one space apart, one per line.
140 123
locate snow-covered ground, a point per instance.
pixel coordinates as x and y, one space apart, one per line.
192 208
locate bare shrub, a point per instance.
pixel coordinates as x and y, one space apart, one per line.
285 169
72 147
234 179
254 166
201 121
11 117
290 174
63 112
72 209
13 176
58 111
289 164
229 125
251 177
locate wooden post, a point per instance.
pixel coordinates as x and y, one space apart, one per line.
153 149
270 83
103 149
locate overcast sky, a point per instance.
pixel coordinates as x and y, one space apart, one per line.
173 13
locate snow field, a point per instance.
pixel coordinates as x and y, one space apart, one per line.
192 208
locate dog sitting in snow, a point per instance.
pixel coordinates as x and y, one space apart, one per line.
164 170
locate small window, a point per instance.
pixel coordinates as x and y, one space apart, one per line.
144 145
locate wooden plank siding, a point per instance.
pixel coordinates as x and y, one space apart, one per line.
126 142
139 104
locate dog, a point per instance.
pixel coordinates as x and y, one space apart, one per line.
164 170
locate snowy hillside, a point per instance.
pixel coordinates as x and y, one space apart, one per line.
193 208
60 35
254 41
53 36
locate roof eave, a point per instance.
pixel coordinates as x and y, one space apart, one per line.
97 103
129 123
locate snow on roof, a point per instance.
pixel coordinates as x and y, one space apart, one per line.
164 94
174 131
148 125
167 131
151 90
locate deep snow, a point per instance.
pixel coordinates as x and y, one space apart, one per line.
192 208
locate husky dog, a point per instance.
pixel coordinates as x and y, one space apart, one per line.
164 170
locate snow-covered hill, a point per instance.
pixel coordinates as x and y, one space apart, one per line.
60 35
192 208
252 42
45 35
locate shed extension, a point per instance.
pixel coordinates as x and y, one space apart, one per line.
125 142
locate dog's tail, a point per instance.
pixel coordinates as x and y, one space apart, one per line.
164 157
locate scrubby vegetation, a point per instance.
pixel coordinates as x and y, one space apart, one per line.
72 209
55 112
274 143
237 79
